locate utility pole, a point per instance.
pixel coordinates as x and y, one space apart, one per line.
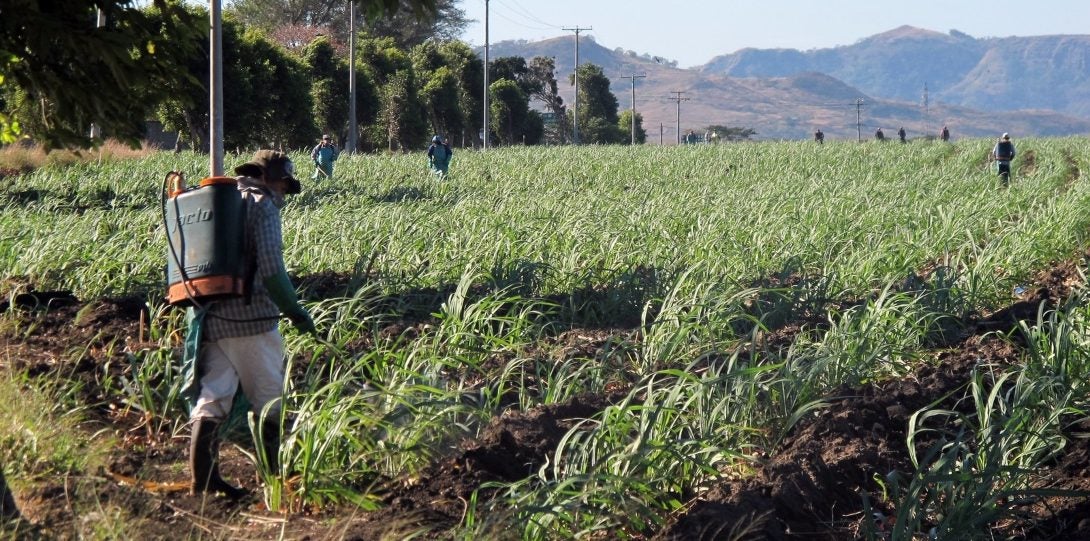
100 22
660 133
633 77
575 110
351 146
858 124
678 99
926 110
215 87
484 129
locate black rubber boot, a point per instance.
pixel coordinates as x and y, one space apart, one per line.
204 448
8 511
270 445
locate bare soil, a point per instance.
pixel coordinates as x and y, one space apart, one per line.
808 488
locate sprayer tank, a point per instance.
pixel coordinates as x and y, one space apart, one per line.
205 235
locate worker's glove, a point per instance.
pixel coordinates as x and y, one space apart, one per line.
283 294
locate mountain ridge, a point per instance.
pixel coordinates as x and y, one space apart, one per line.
977 86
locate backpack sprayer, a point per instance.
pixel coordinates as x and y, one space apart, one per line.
205 240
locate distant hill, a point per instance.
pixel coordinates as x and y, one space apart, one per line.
786 94
1042 72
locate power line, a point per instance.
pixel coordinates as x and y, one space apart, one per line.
530 16
517 23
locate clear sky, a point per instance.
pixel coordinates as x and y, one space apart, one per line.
694 31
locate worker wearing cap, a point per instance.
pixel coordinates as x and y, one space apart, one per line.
439 155
239 341
323 156
1003 153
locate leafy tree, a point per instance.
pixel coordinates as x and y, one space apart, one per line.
442 90
514 68
732 133
409 29
401 123
328 86
75 74
512 120
542 70
625 126
266 99
440 95
597 107
468 69
402 119
278 111
408 22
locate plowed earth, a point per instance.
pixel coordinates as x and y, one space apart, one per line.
811 487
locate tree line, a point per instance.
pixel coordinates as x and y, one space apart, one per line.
148 63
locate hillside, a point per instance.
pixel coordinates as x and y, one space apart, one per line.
771 92
1041 72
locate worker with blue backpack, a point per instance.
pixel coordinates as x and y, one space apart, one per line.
439 155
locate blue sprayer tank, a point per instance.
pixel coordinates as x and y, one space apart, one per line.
205 237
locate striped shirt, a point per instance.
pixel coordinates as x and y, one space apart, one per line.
232 318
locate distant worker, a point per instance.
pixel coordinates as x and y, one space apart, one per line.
715 137
878 135
944 135
819 137
901 134
1003 153
323 157
690 138
439 155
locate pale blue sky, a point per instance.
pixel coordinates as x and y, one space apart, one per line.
692 32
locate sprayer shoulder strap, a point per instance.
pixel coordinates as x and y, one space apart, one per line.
249 269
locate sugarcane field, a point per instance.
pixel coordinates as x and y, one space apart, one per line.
761 340
493 270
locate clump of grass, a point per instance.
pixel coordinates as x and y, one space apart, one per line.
25 157
40 433
21 157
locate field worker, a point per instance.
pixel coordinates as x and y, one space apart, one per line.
237 341
1003 153
439 155
323 157
819 137
878 135
901 134
944 135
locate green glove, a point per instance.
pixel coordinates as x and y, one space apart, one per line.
283 294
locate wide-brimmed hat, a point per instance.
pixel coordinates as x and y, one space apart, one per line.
271 165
